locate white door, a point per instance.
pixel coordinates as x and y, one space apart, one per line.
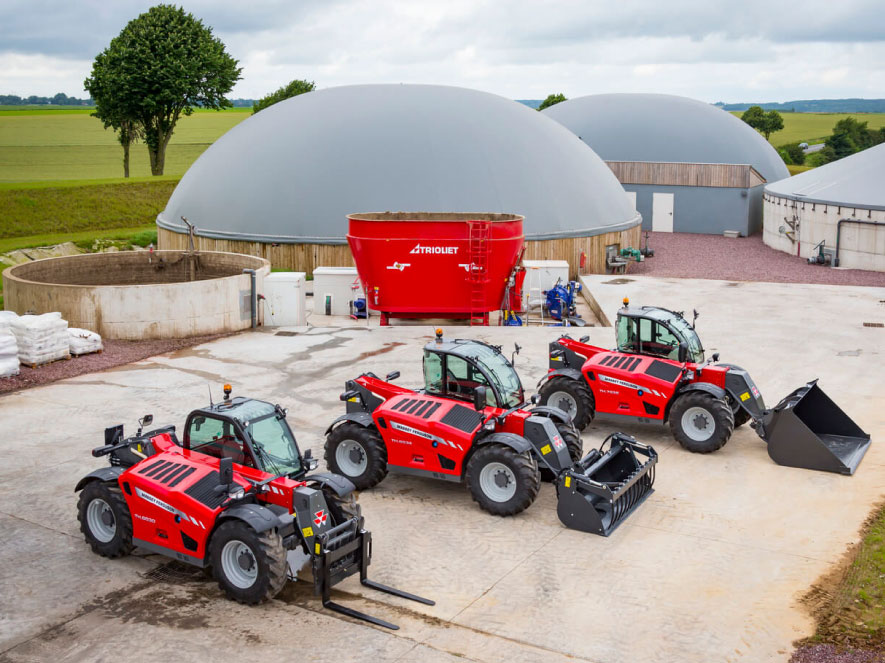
631 196
662 212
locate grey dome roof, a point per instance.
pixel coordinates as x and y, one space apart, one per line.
666 128
855 181
294 171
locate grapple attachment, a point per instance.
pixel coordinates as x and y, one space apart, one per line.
807 429
602 489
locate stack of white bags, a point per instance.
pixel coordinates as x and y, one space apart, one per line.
9 364
83 341
41 338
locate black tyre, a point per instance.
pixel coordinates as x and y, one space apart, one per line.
249 567
701 422
573 397
357 453
502 481
741 416
573 443
105 519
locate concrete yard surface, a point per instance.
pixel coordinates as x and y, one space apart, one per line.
711 567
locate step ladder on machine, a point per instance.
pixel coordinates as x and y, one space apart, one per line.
478 270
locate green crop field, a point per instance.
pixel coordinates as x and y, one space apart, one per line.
41 145
815 127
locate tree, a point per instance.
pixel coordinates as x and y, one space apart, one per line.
163 63
293 89
795 153
764 123
552 100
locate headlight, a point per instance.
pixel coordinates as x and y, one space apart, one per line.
489 425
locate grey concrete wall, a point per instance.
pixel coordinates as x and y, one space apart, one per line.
709 210
136 312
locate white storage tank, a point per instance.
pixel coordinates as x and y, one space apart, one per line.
334 288
285 299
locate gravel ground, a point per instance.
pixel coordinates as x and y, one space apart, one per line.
829 654
115 353
690 255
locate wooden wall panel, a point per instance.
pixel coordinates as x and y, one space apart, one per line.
307 257
728 175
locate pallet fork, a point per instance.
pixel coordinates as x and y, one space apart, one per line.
341 552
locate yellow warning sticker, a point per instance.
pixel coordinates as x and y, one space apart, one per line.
353 399
555 358
568 482
745 396
318 549
546 449
307 531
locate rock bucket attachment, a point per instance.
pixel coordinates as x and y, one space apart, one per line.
808 430
602 489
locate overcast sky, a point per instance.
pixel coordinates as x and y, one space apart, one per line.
753 50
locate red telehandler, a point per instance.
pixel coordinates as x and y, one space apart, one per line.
234 497
470 423
658 374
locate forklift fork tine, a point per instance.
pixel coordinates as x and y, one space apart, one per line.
396 592
356 614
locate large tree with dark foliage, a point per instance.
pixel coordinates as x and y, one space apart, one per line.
162 65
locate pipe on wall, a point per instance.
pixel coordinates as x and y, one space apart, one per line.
839 233
254 299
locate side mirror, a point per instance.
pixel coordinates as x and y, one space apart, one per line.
226 471
584 339
479 398
146 420
683 353
516 348
534 399
715 356
392 376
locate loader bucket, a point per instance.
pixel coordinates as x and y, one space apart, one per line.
806 429
602 489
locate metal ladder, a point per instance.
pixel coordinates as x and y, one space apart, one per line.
478 273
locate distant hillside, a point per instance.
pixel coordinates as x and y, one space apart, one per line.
531 103
815 106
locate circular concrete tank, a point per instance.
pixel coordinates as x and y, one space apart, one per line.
136 295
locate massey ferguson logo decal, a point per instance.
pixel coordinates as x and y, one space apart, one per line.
426 436
147 497
319 518
557 442
447 250
629 385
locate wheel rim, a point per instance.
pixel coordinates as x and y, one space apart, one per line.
351 459
101 521
698 424
497 482
565 402
239 564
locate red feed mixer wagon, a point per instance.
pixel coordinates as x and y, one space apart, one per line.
435 264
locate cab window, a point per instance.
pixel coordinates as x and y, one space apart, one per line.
462 378
216 438
626 332
433 372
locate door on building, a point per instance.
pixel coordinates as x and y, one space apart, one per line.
662 212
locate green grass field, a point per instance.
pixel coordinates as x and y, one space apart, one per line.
815 127
41 145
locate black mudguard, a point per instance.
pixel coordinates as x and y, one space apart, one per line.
102 474
553 412
516 442
712 389
258 517
572 373
338 484
364 419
